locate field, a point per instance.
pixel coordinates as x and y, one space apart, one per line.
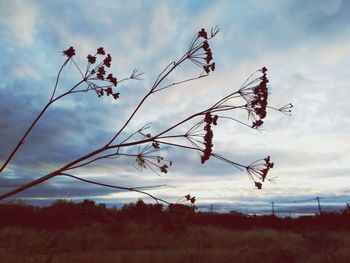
152 239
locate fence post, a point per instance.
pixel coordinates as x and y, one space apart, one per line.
319 205
273 208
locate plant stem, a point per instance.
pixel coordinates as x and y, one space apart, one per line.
21 141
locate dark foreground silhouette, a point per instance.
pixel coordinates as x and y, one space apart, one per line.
66 214
88 232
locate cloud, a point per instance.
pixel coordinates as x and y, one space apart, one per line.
18 20
304 46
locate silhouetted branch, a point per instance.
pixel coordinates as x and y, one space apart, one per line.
92 161
57 79
286 109
136 189
180 82
252 97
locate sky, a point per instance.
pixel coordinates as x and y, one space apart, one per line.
304 45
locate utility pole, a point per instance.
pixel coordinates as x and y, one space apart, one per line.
319 205
273 208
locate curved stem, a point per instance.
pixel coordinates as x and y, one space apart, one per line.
120 187
180 145
29 185
181 122
67 92
22 140
67 166
57 78
92 161
153 89
130 118
51 175
52 100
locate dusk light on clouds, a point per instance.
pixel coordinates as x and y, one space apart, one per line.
304 44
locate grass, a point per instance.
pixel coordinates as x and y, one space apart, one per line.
145 242
68 232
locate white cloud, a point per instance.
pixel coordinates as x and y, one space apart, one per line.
18 21
24 71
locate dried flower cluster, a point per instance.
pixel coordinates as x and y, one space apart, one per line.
286 109
254 93
95 74
256 97
191 199
146 159
70 52
200 53
258 170
208 137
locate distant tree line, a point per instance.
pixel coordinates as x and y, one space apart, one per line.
174 217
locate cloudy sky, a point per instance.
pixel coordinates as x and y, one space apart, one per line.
304 45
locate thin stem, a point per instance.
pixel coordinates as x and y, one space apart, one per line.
244 83
22 140
29 185
157 79
92 161
130 118
146 126
223 100
119 187
194 127
52 174
179 123
224 117
81 73
237 165
170 136
67 92
57 79
67 166
179 145
180 82
157 82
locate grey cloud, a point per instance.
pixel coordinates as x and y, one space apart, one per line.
270 26
66 132
50 189
319 17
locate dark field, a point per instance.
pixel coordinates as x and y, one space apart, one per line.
67 232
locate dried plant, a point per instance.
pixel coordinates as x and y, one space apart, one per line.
251 97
